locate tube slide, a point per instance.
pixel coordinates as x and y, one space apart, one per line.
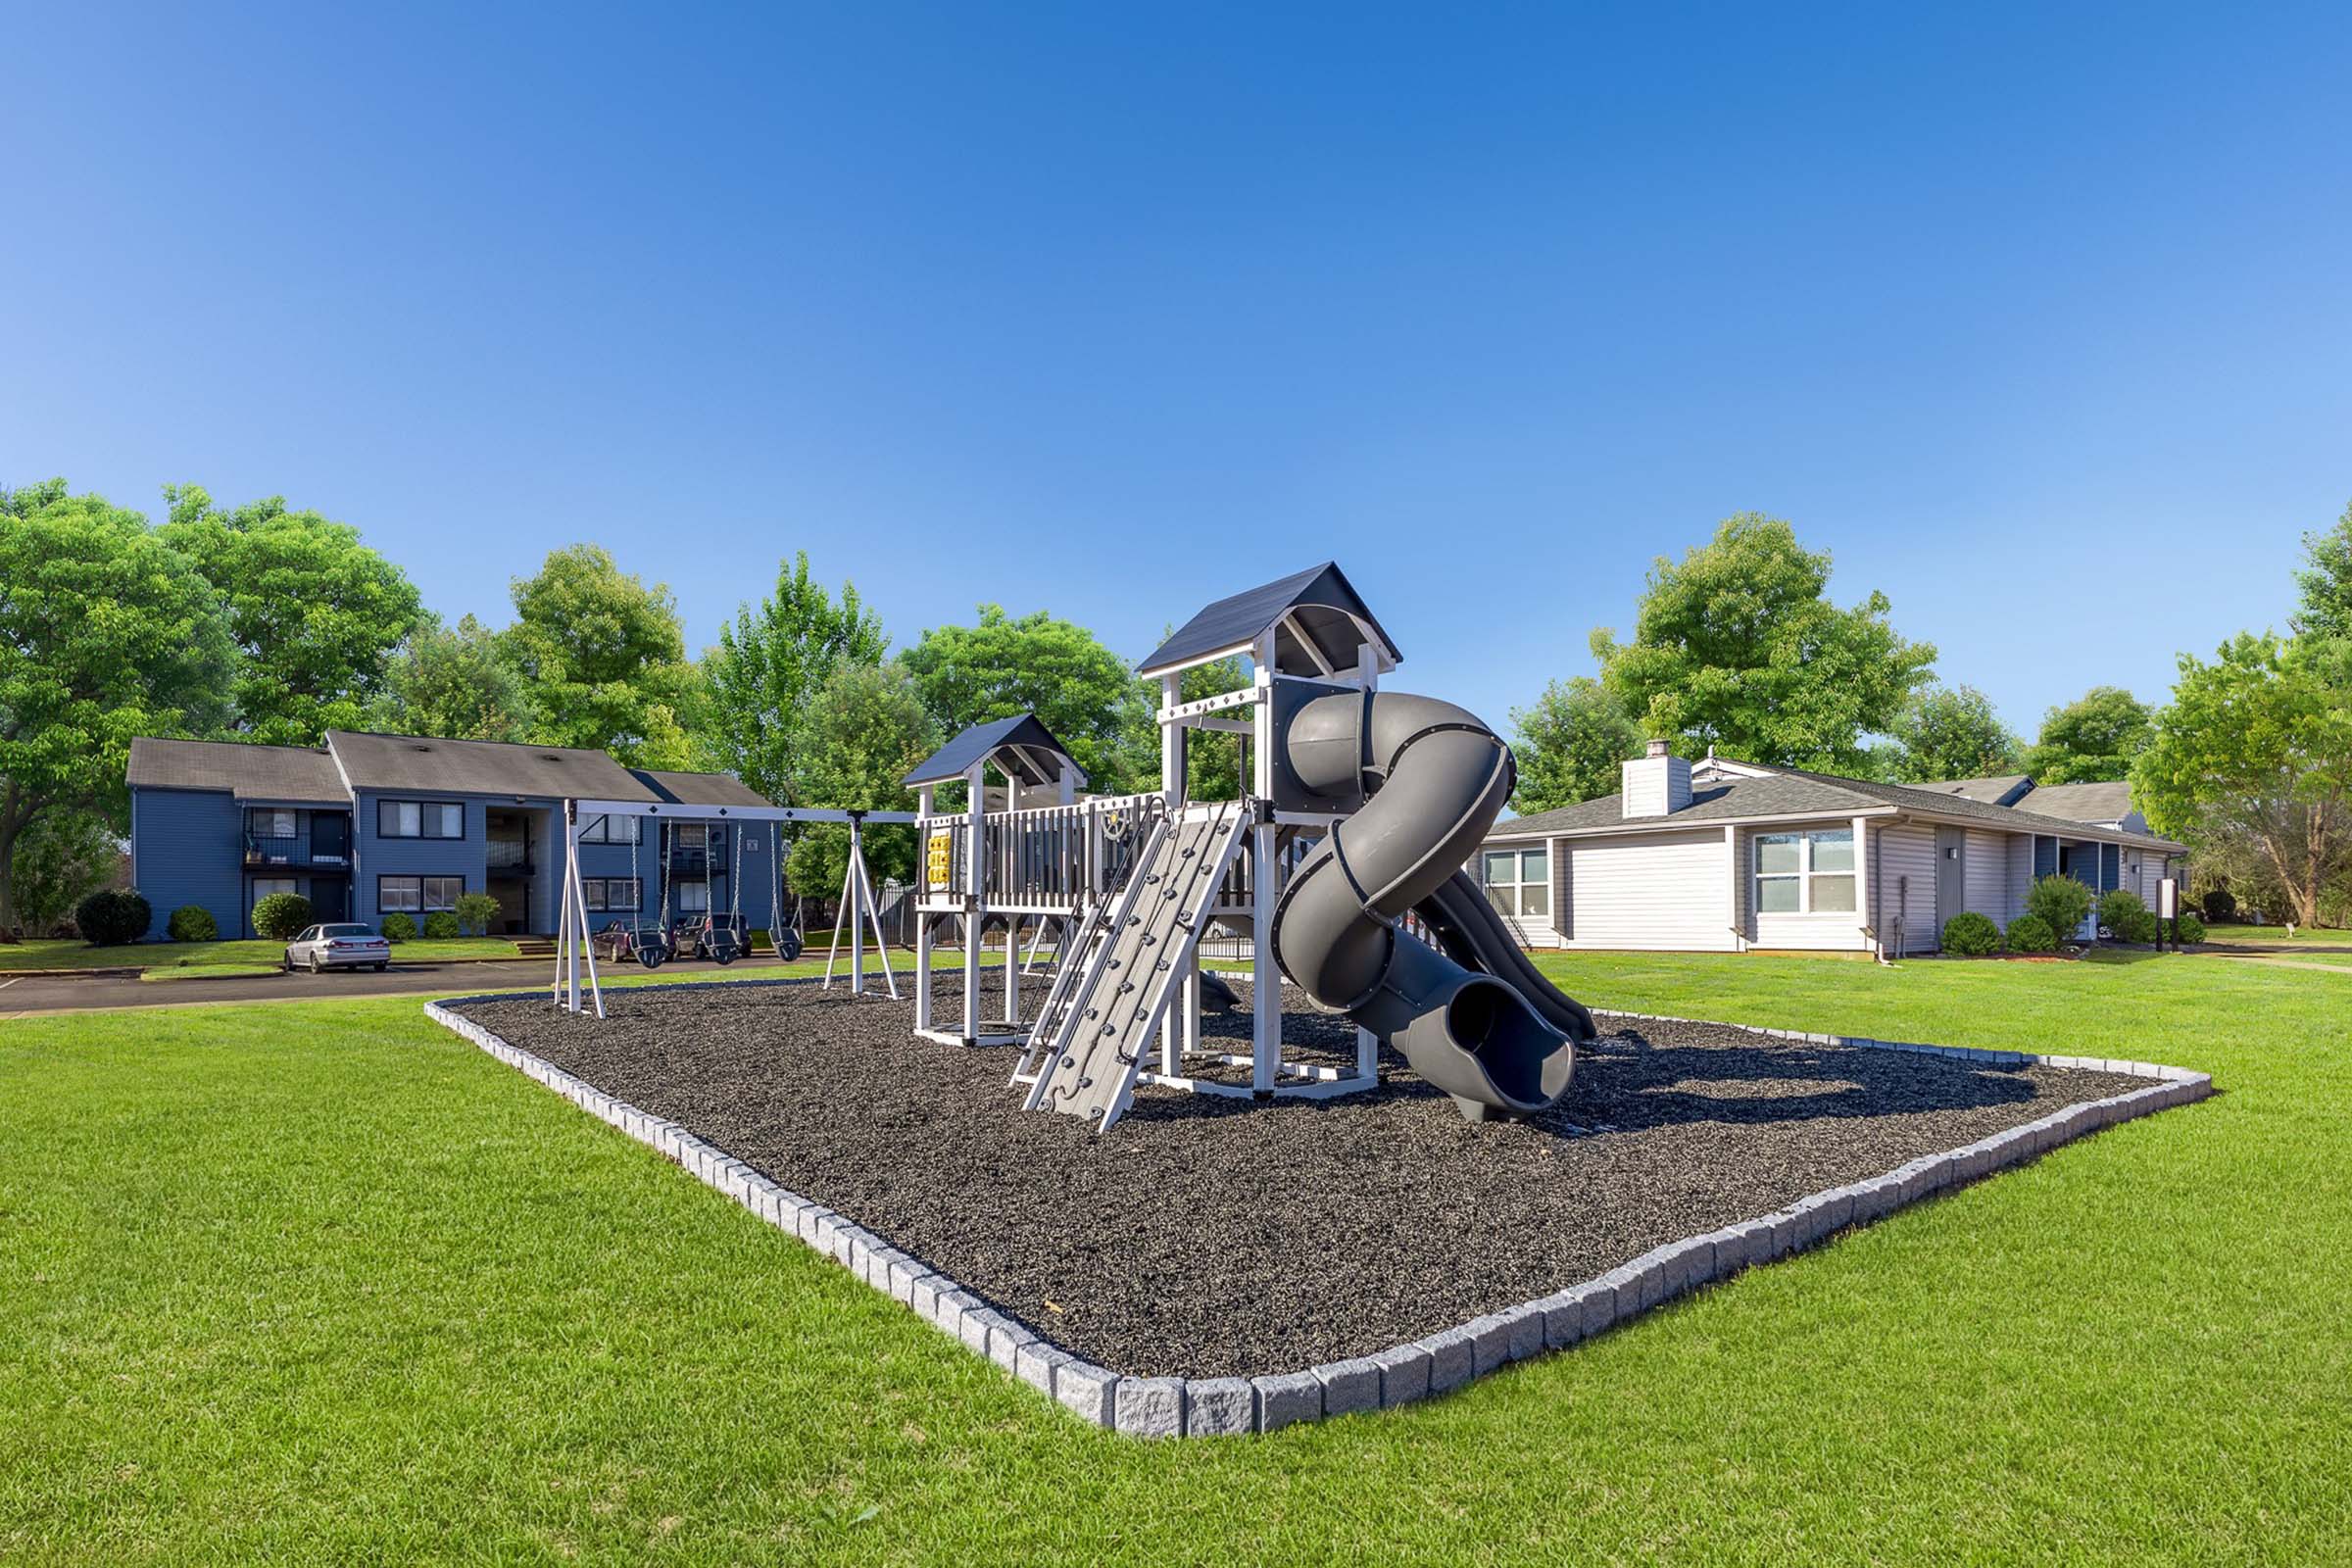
1425 780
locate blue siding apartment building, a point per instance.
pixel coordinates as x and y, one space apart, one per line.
369 824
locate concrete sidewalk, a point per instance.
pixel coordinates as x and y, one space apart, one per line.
31 995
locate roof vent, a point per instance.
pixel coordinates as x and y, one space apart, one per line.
549 757
420 748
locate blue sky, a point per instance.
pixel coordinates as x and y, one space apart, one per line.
2038 319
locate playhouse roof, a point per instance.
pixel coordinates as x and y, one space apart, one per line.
1317 618
1021 746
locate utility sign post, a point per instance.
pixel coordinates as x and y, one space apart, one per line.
2167 907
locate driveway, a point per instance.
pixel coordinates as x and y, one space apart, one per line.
32 995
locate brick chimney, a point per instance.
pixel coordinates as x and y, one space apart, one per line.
1656 783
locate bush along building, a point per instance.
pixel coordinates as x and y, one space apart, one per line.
367 825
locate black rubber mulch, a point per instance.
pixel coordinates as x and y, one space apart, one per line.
1205 1235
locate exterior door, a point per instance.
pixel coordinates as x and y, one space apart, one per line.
327 898
330 837
1951 874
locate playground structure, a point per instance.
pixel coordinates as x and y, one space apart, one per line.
1358 812
1340 860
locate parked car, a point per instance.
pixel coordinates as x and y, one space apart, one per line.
338 947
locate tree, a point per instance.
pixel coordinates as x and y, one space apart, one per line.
1952 732
1737 646
602 659
64 854
1082 691
316 613
106 632
2325 584
2256 749
455 682
760 677
2092 738
864 730
1569 744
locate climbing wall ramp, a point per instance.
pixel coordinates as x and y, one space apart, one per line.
1105 1024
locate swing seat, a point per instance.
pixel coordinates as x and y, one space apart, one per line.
788 944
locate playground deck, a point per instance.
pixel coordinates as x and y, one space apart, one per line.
1216 1237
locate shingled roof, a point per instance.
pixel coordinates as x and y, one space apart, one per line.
1317 607
276 776
1794 792
421 764
2000 789
1021 746
2103 801
698 789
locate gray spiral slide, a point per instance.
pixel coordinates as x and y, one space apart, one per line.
1424 780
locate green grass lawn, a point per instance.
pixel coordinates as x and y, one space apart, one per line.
322 1283
2232 936
245 955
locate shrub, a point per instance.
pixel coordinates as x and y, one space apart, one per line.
2191 928
398 927
2030 933
281 915
111 916
193 922
475 912
1971 935
2124 916
2221 906
440 926
2061 902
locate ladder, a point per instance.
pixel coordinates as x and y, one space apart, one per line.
1090 1044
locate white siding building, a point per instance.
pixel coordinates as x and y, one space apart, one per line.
1725 857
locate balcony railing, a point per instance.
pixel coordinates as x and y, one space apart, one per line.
508 854
263 849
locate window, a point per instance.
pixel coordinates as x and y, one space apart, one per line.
604 894
264 886
694 897
417 895
268 823
690 835
1805 873
419 819
1519 882
609 830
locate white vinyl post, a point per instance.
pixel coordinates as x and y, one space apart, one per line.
856 906
975 884
579 896
873 910
1265 981
925 892
849 886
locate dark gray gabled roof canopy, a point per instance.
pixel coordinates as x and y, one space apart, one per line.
1317 618
1020 747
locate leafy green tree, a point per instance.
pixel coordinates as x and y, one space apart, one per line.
1082 691
761 675
1569 744
602 659
314 613
2325 584
1737 646
2091 739
2254 755
62 857
455 682
106 632
1952 732
864 730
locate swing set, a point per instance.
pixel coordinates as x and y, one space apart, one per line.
721 938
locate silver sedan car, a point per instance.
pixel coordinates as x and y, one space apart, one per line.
338 947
